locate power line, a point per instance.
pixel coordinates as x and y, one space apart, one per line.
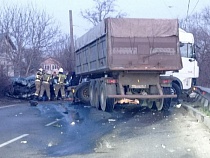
194 7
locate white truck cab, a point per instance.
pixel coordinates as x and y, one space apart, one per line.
185 78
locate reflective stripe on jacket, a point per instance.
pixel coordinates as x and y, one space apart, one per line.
61 78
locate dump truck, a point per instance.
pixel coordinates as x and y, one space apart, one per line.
120 61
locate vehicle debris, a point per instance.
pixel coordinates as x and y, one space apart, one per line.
163 146
50 144
72 123
111 120
57 125
33 103
23 142
178 105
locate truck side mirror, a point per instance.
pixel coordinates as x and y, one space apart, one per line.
194 55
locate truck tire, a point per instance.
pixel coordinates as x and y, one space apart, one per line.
107 104
91 93
83 93
159 104
150 104
97 93
167 101
176 90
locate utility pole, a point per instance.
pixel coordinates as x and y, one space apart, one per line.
72 41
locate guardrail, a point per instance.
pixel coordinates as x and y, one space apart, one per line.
202 99
199 105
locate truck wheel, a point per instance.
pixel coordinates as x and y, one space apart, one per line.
176 90
159 104
107 104
167 101
97 92
91 93
83 92
150 103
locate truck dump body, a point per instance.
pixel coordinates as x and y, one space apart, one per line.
129 44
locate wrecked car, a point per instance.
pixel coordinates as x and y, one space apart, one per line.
22 88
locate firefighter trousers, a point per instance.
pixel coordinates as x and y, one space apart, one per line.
45 87
60 87
38 87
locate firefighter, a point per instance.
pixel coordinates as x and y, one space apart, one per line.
38 82
60 85
53 82
46 85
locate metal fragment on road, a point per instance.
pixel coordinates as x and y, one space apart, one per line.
23 142
72 123
163 146
50 144
87 106
111 120
57 125
178 105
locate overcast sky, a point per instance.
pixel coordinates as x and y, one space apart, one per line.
134 8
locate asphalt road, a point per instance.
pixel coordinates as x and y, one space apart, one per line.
60 129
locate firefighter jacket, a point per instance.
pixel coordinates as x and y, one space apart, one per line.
46 78
39 76
61 78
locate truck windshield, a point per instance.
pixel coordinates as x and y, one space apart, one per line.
186 50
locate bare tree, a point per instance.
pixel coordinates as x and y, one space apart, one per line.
101 10
199 25
33 32
62 52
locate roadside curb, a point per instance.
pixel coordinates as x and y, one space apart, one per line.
197 114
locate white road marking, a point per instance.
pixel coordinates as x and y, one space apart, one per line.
52 123
13 140
8 106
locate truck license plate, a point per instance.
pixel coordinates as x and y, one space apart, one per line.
138 86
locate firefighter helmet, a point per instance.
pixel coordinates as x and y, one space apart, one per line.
61 70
